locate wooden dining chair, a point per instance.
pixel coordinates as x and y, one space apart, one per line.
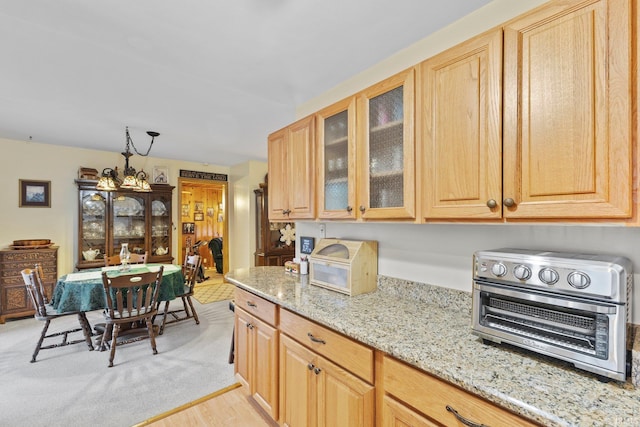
131 298
190 271
46 313
133 259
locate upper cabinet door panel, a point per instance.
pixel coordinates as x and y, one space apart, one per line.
461 164
567 133
336 162
301 171
386 155
278 179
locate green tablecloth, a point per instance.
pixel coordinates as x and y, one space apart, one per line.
84 291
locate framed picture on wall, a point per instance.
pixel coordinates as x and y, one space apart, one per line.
34 194
185 209
160 175
188 228
209 211
199 207
198 216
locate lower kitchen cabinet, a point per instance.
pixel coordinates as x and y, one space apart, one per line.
438 402
256 349
316 392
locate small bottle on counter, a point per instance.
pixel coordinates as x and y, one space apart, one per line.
304 266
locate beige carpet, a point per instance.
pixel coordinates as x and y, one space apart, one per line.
72 386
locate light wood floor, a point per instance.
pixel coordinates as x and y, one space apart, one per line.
234 408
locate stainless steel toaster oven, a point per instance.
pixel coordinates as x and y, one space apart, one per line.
574 307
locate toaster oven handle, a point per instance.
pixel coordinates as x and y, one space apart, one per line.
462 419
602 308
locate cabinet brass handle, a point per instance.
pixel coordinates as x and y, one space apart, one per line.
491 203
462 419
509 202
251 304
317 370
314 339
361 208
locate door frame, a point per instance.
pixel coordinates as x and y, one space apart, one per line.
186 183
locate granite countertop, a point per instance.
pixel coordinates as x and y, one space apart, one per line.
429 327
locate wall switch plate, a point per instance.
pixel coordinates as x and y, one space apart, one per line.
323 230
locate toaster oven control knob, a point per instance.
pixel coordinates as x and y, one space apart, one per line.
578 280
522 272
498 269
548 276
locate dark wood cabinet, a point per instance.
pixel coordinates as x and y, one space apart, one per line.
14 299
271 248
109 219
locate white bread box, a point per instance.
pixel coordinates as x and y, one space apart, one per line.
346 266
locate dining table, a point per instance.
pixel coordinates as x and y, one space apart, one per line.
84 291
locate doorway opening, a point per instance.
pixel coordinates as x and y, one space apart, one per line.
203 218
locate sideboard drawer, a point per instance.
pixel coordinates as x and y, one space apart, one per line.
351 355
259 307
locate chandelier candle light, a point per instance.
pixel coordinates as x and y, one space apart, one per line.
136 181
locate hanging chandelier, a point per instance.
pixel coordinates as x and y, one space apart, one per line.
136 181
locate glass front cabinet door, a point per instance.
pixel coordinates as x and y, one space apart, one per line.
387 149
109 219
336 136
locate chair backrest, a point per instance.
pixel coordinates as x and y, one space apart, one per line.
132 296
35 290
191 269
133 259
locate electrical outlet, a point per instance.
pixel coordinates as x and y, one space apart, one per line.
323 231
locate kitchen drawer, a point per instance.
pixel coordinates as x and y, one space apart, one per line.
259 307
431 396
351 355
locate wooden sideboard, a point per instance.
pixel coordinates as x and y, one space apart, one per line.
14 300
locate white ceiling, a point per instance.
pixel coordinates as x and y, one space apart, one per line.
214 78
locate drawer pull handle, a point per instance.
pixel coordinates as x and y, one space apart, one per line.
249 325
310 366
314 339
462 419
250 304
317 370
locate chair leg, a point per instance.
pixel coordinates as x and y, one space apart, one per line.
151 337
86 329
193 310
186 309
164 318
39 344
114 343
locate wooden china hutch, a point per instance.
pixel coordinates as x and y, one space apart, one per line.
109 219
270 250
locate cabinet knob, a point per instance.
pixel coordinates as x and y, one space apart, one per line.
317 371
349 208
361 208
310 366
509 202
286 211
491 203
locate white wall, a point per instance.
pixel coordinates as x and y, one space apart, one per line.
242 219
441 254
58 164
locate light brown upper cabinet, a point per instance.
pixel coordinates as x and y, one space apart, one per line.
336 160
567 111
461 161
386 149
291 171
